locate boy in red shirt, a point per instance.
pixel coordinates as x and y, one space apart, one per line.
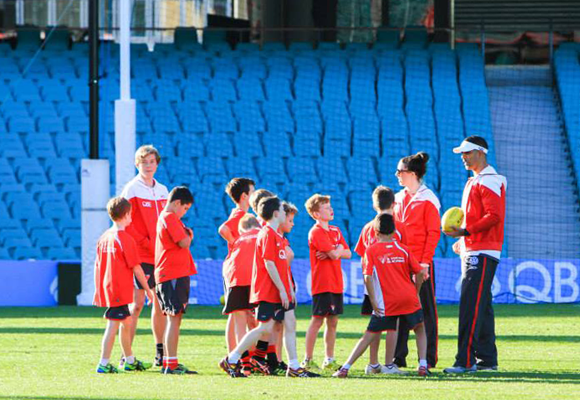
383 202
173 268
237 274
117 262
271 291
147 197
239 190
386 268
327 248
255 200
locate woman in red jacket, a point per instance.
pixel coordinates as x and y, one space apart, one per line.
417 207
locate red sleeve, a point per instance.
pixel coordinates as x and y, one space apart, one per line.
403 231
414 266
130 251
360 247
234 221
320 240
491 211
269 248
343 240
175 228
141 239
368 266
433 228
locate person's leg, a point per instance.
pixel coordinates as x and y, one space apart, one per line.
428 302
289 330
172 340
238 323
273 345
330 336
250 339
311 334
125 338
485 348
108 341
136 307
251 320
158 326
402 349
421 339
374 350
390 345
231 341
360 348
280 341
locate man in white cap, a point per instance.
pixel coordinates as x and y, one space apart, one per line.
479 245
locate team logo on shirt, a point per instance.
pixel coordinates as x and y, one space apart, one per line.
391 260
282 254
146 204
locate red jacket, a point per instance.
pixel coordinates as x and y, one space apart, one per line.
147 203
420 215
484 206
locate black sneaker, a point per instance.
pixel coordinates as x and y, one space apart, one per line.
280 369
233 370
483 367
260 365
179 370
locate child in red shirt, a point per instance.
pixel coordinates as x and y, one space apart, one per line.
387 266
383 202
272 291
173 268
117 262
327 248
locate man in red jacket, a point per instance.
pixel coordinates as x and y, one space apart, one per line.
479 245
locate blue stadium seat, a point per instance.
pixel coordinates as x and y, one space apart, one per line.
31 173
361 169
218 144
72 237
11 146
61 253
251 89
248 144
189 145
302 169
27 253
307 144
271 169
40 223
241 166
331 170
56 210
221 117
70 145
50 125
18 124
6 173
211 170
46 238
196 91
40 146
167 91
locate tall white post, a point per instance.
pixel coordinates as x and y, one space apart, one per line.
95 191
125 107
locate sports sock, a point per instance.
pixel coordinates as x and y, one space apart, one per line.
423 363
246 359
159 349
234 357
261 349
346 366
375 366
164 362
272 357
104 362
328 360
294 364
172 362
130 359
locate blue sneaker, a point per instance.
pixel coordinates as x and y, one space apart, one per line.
460 370
107 369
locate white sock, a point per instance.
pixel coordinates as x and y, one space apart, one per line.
104 362
130 359
294 364
375 366
234 357
328 360
423 363
346 366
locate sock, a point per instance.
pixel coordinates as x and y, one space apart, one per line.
159 351
423 363
294 364
246 359
164 362
375 366
130 359
234 357
261 349
104 362
346 366
272 357
328 360
172 362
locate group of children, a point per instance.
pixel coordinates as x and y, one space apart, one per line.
149 242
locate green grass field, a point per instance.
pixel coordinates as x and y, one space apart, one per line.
51 353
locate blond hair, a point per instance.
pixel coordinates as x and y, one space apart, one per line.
314 202
144 151
118 207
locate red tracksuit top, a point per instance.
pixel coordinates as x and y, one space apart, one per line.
483 203
147 203
420 215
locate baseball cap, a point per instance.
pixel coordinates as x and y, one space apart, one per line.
470 144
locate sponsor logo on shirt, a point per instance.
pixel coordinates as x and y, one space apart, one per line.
282 254
146 204
391 260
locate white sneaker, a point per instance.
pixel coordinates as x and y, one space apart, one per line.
369 370
392 369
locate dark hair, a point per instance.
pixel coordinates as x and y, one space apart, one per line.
238 186
248 222
383 198
180 193
257 196
384 224
118 207
417 163
478 140
289 208
268 206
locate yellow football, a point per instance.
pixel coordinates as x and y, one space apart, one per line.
452 217
222 300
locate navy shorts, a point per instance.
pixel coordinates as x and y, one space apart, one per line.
237 298
267 311
173 295
389 323
149 271
119 313
325 304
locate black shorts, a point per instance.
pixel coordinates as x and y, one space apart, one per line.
173 295
119 313
267 311
324 304
381 324
366 307
149 271
237 298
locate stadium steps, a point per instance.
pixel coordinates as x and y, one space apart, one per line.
542 203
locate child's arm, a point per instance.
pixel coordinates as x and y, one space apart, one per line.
371 291
186 241
275 276
419 279
226 233
140 275
339 252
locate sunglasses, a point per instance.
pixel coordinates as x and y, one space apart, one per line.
400 171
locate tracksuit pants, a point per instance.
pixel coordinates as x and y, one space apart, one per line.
476 336
429 304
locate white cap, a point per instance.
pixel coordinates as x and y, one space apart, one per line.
467 146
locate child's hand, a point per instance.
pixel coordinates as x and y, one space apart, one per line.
150 295
321 255
425 271
189 231
379 312
457 248
284 299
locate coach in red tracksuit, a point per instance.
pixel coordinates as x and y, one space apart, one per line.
481 240
417 208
